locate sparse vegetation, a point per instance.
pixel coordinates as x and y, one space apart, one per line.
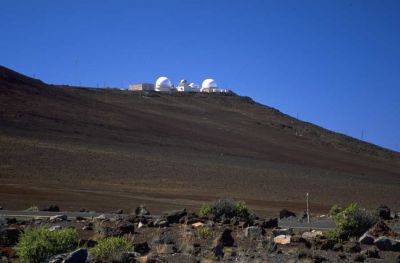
203 232
227 208
352 221
33 208
38 244
112 249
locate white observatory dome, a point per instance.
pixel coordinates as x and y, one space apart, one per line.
163 84
209 84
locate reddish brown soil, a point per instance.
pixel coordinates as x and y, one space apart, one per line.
107 149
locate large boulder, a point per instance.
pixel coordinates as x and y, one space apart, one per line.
384 212
284 213
381 229
57 218
387 244
174 216
142 248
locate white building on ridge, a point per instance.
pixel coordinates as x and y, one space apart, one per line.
163 84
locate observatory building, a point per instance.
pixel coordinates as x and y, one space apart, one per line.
163 84
185 87
141 87
209 85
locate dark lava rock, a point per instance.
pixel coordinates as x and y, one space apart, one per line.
284 213
304 254
327 244
126 228
387 244
352 247
253 232
119 212
370 252
226 238
52 208
270 223
142 248
10 221
174 216
9 236
381 229
164 238
160 222
77 256
318 258
89 243
142 211
359 258
366 239
384 212
337 247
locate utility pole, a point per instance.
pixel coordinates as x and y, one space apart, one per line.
308 212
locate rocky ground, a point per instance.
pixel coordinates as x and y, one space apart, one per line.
179 236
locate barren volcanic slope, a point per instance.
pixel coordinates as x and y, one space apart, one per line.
104 149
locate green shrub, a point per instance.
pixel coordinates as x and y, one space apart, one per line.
38 244
111 249
226 207
335 210
352 222
205 210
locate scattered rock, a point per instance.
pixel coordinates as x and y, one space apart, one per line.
218 250
174 216
87 228
370 252
161 222
284 213
142 248
89 243
384 212
52 208
58 258
9 236
142 211
282 239
166 248
11 221
352 247
140 225
253 232
126 228
270 223
54 228
337 247
101 217
311 234
366 239
327 244
77 256
119 212
58 218
359 258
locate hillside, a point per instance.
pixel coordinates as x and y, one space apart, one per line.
105 148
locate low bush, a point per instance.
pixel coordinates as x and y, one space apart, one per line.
352 221
335 210
203 232
38 244
227 208
32 208
112 249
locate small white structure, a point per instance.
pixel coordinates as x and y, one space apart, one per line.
209 85
163 84
141 87
185 87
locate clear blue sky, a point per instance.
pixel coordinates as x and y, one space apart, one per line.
333 63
